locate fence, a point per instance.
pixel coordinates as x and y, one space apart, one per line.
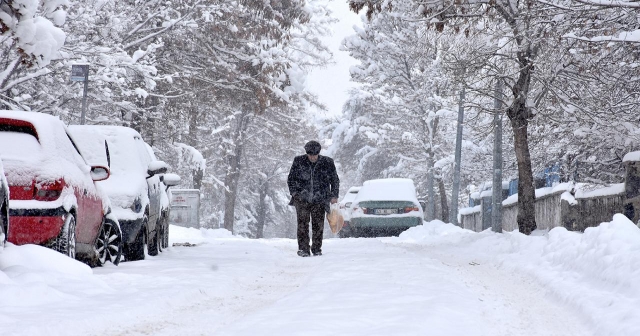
555 208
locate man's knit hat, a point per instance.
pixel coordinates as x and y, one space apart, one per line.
312 147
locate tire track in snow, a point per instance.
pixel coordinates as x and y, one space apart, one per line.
251 293
517 304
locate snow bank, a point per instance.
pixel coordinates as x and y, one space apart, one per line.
34 276
38 258
597 271
179 234
434 232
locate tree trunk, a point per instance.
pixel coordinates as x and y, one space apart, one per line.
444 205
519 115
431 195
233 171
526 189
231 184
196 174
262 209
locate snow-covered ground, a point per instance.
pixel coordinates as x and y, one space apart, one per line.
436 279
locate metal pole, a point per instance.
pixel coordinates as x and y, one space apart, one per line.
453 214
496 201
84 96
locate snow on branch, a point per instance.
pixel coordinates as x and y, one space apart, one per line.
606 3
192 157
632 36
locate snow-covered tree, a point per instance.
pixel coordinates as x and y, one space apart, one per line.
526 49
30 38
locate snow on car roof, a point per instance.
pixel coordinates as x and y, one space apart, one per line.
351 195
391 189
56 158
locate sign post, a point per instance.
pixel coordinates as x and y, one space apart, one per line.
80 73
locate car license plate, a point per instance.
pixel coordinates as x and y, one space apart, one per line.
386 211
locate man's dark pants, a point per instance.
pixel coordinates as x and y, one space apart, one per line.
316 213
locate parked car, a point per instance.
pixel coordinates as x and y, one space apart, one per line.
136 186
167 180
384 207
345 204
4 206
54 200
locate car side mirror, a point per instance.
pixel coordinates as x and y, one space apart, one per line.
157 167
170 180
99 173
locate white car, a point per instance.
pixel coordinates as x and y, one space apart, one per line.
345 203
384 207
136 186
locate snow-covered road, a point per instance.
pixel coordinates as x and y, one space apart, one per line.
437 281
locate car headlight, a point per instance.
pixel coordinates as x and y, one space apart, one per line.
136 206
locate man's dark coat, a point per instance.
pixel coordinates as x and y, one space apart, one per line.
314 183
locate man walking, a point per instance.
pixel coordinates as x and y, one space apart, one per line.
313 184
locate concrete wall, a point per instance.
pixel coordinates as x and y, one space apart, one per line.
552 211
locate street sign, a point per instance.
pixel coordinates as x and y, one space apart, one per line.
79 72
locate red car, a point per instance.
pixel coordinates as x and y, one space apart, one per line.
53 197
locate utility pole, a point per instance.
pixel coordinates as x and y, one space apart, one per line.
496 201
453 214
80 73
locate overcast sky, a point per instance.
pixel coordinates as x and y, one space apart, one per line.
332 83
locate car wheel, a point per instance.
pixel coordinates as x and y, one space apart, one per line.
65 243
135 250
108 245
343 233
152 243
165 236
160 233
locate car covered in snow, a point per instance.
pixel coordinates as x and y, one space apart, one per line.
54 200
346 202
4 206
136 186
167 180
384 207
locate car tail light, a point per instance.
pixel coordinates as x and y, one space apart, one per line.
409 209
48 191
